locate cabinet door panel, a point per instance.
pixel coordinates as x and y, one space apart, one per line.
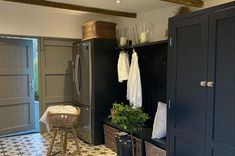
221 101
188 65
186 145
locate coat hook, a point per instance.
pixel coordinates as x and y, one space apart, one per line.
122 50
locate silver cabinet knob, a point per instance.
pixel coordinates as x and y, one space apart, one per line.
210 84
203 83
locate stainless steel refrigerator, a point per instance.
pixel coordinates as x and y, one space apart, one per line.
95 86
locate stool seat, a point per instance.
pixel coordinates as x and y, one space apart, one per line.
63 120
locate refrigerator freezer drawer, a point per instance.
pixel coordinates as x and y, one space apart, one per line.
84 124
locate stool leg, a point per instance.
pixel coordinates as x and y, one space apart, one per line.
61 142
65 140
76 140
52 142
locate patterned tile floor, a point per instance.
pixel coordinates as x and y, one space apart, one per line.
36 145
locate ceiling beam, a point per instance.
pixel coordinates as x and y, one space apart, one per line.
195 3
46 3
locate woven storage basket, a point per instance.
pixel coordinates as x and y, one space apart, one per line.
152 150
61 120
109 137
110 141
99 29
138 143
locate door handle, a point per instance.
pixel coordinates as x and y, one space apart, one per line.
203 83
77 82
31 85
210 84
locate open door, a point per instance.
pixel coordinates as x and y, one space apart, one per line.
16 89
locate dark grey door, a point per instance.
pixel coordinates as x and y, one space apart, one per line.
16 90
221 96
188 65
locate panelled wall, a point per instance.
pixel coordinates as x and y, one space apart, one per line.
56 72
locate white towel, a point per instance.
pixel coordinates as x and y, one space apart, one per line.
123 66
57 109
134 88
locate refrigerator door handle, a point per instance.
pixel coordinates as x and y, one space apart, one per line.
77 65
90 73
73 71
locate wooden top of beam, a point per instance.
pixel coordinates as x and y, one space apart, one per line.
195 3
74 7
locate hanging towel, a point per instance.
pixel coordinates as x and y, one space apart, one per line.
134 89
123 66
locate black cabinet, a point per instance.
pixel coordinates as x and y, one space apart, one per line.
201 83
221 71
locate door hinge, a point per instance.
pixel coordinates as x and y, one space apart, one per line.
169 104
170 41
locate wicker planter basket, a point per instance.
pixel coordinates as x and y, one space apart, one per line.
138 143
98 29
62 119
109 137
110 141
152 150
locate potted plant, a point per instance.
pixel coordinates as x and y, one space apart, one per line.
129 118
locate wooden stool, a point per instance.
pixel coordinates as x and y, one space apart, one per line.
63 123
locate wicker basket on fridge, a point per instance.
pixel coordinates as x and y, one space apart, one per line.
99 29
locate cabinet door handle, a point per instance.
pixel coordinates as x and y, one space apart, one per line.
203 83
169 104
210 84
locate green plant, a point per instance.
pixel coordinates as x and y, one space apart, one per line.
35 71
129 118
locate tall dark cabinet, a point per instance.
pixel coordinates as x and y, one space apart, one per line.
201 83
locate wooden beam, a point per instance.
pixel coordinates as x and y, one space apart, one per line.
74 7
195 3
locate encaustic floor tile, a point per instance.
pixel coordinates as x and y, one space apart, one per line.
36 145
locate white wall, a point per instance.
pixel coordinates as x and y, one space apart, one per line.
21 19
160 18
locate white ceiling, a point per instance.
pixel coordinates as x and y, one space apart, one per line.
134 6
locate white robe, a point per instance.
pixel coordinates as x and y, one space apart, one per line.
134 88
123 66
